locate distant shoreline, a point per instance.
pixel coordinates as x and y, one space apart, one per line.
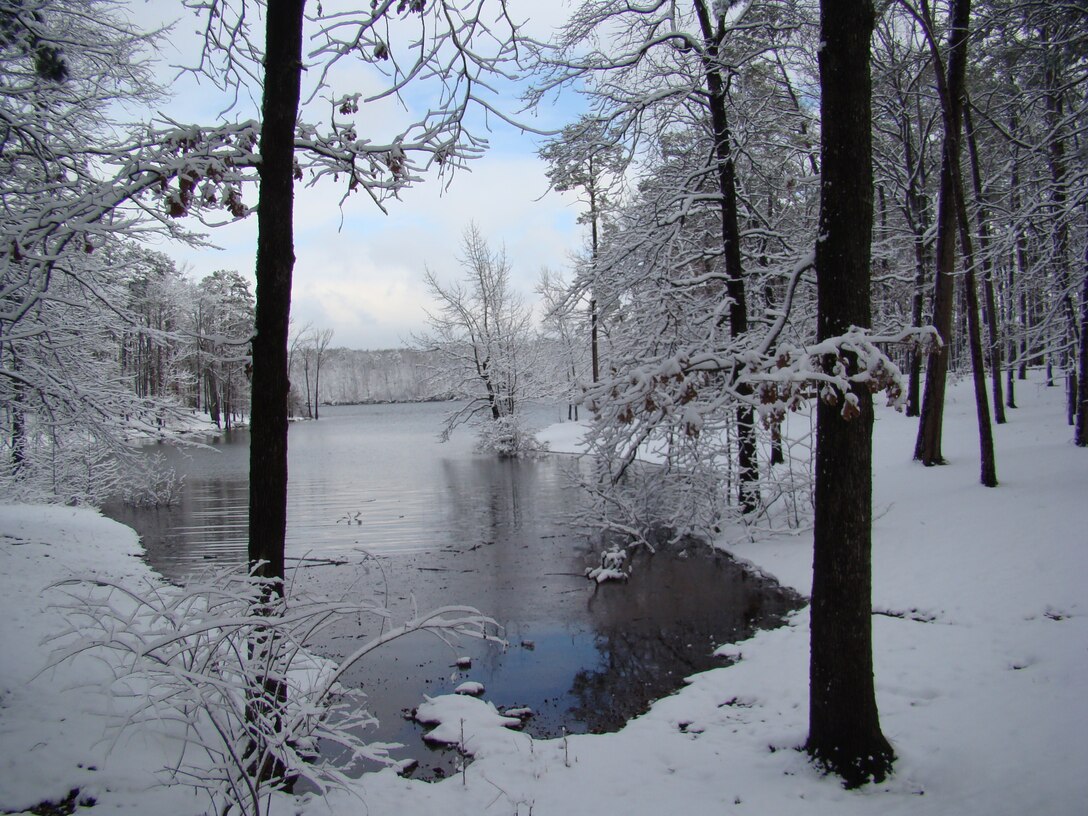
389 401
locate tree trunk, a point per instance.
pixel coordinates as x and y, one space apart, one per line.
927 448
306 377
275 264
747 465
1019 351
1059 183
1010 321
211 399
18 420
918 207
844 725
983 226
1080 434
594 317
988 468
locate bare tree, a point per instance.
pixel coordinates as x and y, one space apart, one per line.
560 327
481 332
298 353
321 340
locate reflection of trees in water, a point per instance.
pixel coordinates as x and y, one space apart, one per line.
667 628
492 495
638 667
480 494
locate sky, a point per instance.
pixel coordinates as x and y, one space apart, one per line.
359 271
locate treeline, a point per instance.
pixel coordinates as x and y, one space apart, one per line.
184 341
130 348
350 376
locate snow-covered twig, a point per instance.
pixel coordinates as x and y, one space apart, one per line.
230 668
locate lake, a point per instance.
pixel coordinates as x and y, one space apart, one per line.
421 522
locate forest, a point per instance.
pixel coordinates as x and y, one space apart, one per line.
792 210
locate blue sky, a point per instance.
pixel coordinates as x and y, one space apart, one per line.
358 271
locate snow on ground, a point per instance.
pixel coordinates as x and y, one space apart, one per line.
981 651
53 722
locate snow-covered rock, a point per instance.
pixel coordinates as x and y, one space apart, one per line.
474 725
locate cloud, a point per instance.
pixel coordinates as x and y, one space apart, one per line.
364 278
360 272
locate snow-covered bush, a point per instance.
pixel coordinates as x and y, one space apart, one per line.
507 437
227 667
85 469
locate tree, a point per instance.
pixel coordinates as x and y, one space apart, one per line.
321 340
583 156
844 726
275 263
560 328
904 119
70 400
482 333
310 346
950 81
651 70
952 221
224 334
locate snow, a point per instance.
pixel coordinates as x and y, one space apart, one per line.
563 437
474 725
980 648
470 687
613 567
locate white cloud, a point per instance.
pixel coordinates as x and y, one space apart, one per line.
360 272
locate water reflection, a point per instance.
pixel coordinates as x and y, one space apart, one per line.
440 524
664 626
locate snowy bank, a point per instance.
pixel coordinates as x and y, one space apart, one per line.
55 723
980 638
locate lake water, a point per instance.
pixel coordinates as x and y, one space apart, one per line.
372 485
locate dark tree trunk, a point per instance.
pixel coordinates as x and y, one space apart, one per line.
212 396
915 374
594 317
594 339
275 264
18 420
306 378
1018 351
1072 393
747 464
927 448
777 456
1059 183
919 210
1010 321
1080 434
983 226
988 468
844 725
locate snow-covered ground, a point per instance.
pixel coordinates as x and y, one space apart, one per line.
981 649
